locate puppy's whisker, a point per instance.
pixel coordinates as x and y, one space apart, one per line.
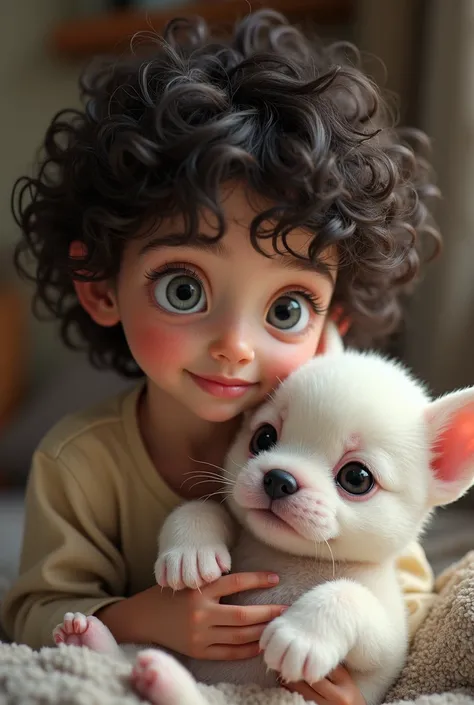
224 492
193 472
200 473
203 482
200 477
332 559
210 476
237 465
211 465
271 394
214 494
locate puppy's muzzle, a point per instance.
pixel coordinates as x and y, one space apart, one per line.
279 484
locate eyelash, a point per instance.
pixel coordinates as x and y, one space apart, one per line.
313 300
154 275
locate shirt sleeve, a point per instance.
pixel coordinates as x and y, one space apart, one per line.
417 582
70 561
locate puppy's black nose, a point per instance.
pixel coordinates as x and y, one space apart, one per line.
279 483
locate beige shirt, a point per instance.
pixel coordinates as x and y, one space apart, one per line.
95 504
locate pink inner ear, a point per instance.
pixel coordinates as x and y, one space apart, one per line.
455 447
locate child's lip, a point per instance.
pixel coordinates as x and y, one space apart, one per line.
223 387
226 381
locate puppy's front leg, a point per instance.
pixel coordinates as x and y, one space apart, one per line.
338 621
194 545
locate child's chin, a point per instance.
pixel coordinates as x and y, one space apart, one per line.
219 412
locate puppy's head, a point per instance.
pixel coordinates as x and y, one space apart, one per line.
348 458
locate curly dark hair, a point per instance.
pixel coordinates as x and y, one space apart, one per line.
298 122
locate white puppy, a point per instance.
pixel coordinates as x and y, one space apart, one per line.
331 480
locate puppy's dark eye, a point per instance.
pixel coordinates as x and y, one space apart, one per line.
355 479
263 439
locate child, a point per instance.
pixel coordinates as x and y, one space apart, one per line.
196 226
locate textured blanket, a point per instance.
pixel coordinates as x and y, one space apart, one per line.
439 671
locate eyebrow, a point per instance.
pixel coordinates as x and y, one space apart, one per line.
204 243
304 264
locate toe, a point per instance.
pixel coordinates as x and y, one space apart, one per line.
79 623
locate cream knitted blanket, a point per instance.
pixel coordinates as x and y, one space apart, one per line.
439 671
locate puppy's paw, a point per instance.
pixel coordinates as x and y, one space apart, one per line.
158 678
295 653
192 567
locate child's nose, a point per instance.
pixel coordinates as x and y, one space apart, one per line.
233 347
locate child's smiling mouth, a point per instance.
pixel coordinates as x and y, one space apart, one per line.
223 387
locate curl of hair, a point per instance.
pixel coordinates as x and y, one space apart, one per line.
299 123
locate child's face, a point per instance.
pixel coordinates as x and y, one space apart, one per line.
218 327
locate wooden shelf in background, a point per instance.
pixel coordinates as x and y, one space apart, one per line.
112 32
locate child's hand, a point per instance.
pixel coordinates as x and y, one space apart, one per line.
201 627
337 689
194 622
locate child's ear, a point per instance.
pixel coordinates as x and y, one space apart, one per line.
330 341
451 427
95 297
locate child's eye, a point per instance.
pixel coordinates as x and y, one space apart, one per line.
180 292
290 312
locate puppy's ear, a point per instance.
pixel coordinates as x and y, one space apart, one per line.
450 422
330 342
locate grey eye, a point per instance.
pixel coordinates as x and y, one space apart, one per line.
180 293
289 313
355 478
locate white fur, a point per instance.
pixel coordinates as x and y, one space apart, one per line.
335 556
205 539
372 410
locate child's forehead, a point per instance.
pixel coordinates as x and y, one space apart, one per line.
293 256
239 212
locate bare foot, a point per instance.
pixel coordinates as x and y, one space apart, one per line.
160 679
79 630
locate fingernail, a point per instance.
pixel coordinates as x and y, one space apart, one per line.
273 578
283 609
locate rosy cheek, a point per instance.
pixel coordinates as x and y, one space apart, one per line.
278 367
157 347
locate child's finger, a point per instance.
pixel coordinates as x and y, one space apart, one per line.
337 689
239 616
223 652
309 693
237 635
330 692
239 582
340 676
